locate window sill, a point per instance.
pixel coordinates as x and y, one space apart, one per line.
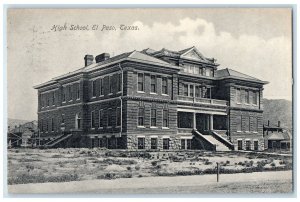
164 94
70 100
108 127
255 132
141 127
109 93
93 97
92 128
100 128
239 131
118 126
153 126
238 103
78 99
141 91
101 95
165 128
63 101
153 93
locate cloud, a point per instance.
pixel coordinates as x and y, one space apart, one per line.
54 53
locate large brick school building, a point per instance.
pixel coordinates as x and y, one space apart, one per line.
152 100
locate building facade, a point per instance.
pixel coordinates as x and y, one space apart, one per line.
152 100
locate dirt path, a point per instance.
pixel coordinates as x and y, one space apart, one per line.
263 182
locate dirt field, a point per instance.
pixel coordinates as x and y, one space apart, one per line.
258 182
63 165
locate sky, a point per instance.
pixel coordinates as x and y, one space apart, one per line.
254 41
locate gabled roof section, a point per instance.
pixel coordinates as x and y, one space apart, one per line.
194 54
229 73
146 58
148 51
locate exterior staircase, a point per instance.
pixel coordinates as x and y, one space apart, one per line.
212 141
57 140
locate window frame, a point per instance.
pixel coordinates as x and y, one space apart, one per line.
141 117
101 118
153 83
94 94
141 146
142 82
153 117
154 146
166 146
93 123
118 116
165 118
164 85
240 146
109 117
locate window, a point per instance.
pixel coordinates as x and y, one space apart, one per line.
197 91
52 124
153 143
140 82
248 145
185 90
78 121
94 88
189 143
182 143
166 143
118 116
93 119
110 81
153 84
53 98
191 69
62 119
186 144
254 97
153 117
164 85
247 95
207 72
211 72
141 143
77 91
255 144
239 123
191 91
165 118
255 124
47 125
70 92
64 94
109 117
101 118
238 96
42 126
119 81
247 123
207 93
101 86
203 71
48 100
141 117
240 144
197 70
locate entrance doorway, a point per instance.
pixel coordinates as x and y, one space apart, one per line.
202 122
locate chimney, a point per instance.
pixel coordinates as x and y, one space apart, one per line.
268 122
278 124
88 60
102 57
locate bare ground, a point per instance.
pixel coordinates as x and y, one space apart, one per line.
260 182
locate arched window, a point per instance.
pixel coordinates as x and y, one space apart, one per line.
78 121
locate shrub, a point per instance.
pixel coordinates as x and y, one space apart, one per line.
154 163
56 156
128 168
137 167
273 164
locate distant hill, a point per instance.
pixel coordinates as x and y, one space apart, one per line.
16 122
278 110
